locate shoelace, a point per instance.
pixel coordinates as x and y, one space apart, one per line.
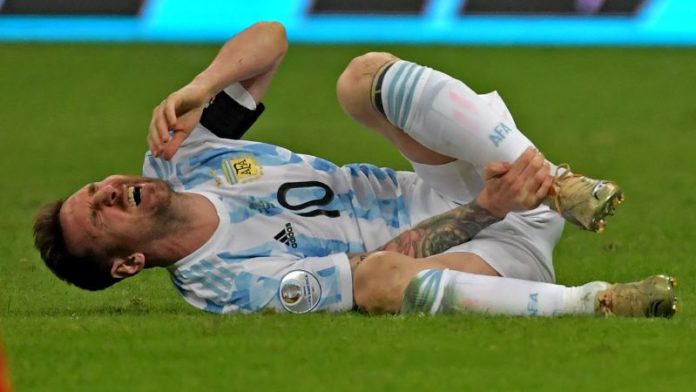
557 179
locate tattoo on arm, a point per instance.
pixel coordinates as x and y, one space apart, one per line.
441 232
437 234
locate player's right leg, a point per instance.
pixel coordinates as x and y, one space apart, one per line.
354 90
429 115
388 282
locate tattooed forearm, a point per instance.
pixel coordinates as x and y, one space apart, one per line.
437 234
441 232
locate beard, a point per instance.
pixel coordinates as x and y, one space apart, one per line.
170 217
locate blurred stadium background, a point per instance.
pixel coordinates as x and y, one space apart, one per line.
606 85
567 22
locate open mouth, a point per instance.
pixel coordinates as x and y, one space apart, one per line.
134 195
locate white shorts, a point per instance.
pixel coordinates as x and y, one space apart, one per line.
520 246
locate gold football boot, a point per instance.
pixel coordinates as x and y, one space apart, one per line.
652 297
583 201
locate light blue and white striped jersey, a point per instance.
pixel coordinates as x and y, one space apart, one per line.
279 212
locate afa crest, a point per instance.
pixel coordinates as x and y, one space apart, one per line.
242 169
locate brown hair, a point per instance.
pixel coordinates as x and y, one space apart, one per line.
89 272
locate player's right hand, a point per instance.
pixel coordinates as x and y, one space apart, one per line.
179 113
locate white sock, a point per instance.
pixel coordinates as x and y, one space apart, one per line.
446 291
445 115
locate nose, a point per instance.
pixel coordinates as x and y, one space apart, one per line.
106 195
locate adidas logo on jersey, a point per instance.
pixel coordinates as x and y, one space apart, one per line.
287 236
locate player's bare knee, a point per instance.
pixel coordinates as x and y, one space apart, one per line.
376 286
354 84
365 66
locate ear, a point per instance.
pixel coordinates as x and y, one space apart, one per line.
125 268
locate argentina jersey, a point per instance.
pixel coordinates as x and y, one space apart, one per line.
287 224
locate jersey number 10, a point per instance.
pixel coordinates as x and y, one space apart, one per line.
318 202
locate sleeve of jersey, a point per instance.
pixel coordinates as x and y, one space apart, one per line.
228 285
156 167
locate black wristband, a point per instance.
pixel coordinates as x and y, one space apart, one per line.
227 118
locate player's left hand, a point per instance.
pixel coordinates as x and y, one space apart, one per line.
518 186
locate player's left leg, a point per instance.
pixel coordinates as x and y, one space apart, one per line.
429 115
380 279
388 282
445 291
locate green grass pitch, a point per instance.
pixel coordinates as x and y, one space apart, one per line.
70 114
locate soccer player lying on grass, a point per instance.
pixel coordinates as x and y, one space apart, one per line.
243 226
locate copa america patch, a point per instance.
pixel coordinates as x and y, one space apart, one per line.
299 291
